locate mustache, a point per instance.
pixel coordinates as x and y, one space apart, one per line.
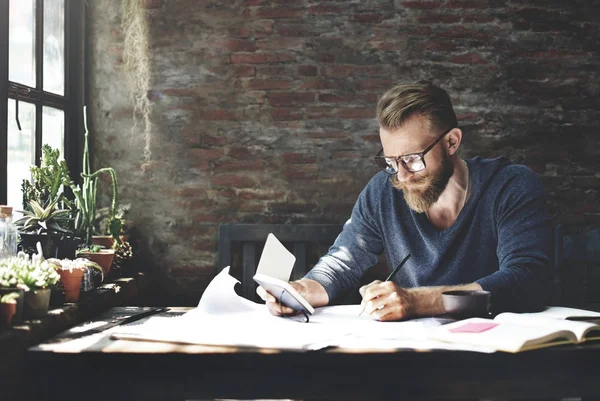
406 184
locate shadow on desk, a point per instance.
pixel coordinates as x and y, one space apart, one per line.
15 371
98 368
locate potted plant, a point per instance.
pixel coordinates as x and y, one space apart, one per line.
36 276
85 197
77 275
123 248
47 180
101 230
98 254
122 262
71 276
85 202
48 226
48 213
94 273
8 308
10 283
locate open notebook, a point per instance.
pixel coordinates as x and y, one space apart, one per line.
516 332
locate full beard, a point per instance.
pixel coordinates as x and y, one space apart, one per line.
423 192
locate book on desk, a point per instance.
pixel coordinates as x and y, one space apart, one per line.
517 332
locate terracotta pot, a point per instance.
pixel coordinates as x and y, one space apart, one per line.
18 318
107 241
103 240
71 280
7 311
36 303
104 258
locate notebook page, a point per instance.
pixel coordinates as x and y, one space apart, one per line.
578 328
562 312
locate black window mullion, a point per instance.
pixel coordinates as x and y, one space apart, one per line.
4 29
49 99
75 83
39 73
38 132
25 93
66 47
39 44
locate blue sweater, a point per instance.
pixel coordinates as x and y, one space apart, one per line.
501 239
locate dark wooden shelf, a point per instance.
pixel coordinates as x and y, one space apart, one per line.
15 340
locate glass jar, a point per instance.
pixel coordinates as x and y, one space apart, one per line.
8 233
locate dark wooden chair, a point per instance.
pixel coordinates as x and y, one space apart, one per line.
240 246
577 262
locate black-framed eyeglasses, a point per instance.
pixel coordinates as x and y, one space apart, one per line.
412 162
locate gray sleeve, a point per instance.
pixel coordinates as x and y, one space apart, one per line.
355 250
524 227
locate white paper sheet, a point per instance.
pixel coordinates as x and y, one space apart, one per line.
225 319
276 261
220 298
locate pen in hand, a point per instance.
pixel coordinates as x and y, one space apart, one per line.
391 276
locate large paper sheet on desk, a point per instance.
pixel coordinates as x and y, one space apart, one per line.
223 318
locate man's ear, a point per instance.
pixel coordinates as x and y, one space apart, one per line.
454 139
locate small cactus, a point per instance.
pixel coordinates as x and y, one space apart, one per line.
9 298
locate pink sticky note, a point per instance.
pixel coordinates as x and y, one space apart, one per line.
474 327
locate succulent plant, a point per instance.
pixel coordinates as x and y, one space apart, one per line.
9 298
47 181
79 263
8 277
47 219
32 273
123 254
104 217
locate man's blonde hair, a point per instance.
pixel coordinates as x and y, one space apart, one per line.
422 98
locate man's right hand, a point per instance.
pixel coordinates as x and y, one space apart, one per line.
310 290
275 307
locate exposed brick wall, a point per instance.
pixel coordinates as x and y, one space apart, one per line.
264 110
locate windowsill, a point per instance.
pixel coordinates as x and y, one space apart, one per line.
14 341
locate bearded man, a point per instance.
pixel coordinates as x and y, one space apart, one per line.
475 224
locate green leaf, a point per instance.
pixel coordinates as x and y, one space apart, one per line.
58 228
38 210
115 228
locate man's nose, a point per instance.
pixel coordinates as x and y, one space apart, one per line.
403 174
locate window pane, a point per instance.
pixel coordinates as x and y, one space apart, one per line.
21 42
21 153
53 128
54 46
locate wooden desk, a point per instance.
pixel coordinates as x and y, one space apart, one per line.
102 369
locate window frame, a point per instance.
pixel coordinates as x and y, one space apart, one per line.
75 89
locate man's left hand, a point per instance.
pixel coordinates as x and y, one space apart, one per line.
385 301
